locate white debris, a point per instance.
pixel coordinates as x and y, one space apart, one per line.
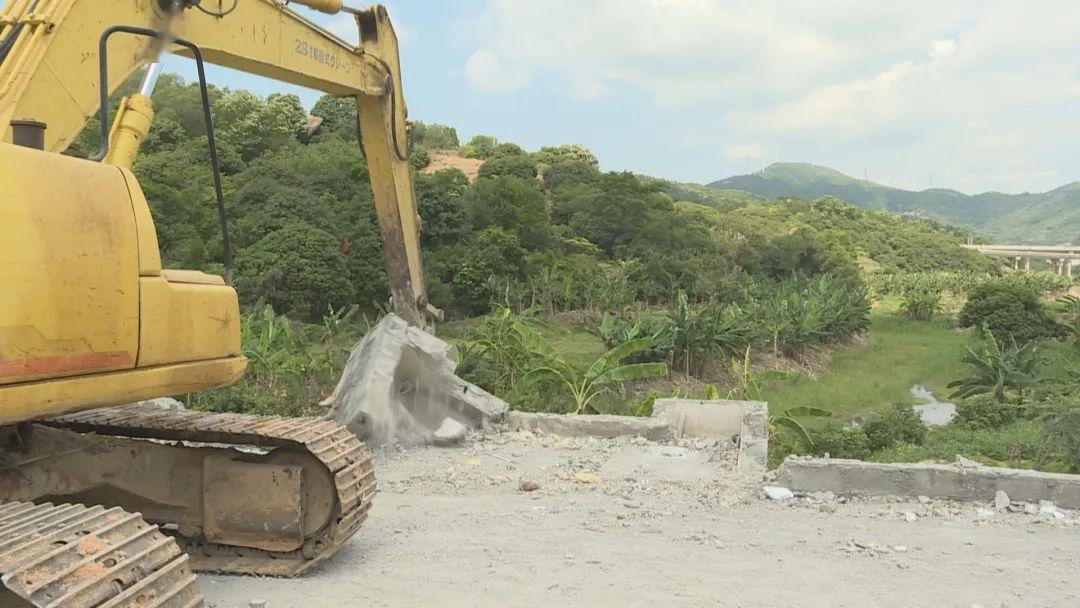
910 516
165 403
778 493
450 431
1001 500
965 463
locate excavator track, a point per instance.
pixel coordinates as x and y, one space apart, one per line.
332 445
72 556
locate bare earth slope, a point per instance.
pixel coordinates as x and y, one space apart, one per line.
450 159
622 523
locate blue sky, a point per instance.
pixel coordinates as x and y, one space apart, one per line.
979 94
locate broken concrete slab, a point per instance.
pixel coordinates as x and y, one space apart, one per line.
754 439
719 419
578 425
722 419
968 481
399 386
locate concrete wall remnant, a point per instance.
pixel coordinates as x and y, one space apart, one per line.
578 425
949 481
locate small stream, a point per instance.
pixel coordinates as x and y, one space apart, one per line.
932 411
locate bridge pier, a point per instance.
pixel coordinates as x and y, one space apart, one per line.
1060 258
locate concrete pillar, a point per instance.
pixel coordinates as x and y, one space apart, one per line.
1016 263
1068 267
1027 264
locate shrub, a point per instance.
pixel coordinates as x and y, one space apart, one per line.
896 424
840 441
1009 309
1061 432
984 412
920 305
1018 445
419 158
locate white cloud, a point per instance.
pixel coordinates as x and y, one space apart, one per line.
487 71
912 85
344 26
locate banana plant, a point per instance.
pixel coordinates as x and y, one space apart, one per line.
788 420
585 386
999 367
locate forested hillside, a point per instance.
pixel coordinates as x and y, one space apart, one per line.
570 289
1048 217
545 227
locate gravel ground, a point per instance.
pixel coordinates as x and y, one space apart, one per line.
629 523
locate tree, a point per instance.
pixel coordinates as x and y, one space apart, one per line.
508 149
298 269
434 136
1010 309
465 270
551 156
339 116
481 146
613 211
521 167
254 125
513 204
439 197
570 173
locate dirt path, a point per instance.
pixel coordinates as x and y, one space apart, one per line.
618 523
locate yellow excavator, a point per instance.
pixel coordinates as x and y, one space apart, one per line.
90 321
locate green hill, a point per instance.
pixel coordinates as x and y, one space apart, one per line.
1040 218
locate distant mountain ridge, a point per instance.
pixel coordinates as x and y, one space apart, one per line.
1037 218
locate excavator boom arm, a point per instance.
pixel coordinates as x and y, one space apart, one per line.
48 48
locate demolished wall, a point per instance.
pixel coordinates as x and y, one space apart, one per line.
399 386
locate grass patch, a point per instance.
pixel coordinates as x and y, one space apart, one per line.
900 354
